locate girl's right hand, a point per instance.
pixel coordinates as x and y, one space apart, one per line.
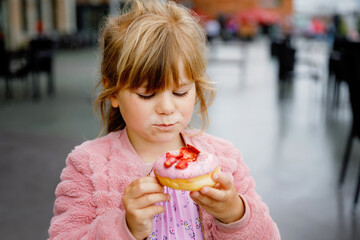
139 201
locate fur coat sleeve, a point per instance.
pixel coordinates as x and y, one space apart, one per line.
81 211
256 224
88 199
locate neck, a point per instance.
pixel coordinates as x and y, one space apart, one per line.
149 152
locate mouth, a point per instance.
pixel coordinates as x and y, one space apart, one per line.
165 126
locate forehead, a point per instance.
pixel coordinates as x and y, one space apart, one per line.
172 75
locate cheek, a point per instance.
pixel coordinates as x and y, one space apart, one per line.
133 113
187 115
188 107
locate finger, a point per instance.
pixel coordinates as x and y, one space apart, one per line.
146 213
224 180
214 194
141 189
152 210
201 199
144 180
150 199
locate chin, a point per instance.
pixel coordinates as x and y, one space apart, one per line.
166 136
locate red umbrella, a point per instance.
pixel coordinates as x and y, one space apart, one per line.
257 15
265 16
317 26
246 16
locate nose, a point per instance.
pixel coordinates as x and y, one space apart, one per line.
166 103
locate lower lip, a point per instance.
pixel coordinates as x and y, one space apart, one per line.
165 127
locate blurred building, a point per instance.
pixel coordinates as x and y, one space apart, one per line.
79 20
22 20
214 7
245 17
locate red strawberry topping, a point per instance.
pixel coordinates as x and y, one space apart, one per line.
179 155
186 154
182 164
170 161
192 148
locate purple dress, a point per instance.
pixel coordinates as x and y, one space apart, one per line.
181 219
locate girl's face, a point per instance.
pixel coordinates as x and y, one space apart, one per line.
156 117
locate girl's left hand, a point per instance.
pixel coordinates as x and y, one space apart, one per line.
221 201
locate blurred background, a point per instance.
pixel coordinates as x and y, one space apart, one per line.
287 78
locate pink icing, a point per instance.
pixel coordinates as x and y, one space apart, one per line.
204 164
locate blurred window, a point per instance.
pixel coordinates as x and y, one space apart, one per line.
54 14
24 15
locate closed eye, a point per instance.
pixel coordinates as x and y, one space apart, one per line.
142 96
180 94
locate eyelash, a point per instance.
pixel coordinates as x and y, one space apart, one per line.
146 97
183 94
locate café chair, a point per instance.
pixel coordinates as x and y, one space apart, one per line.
13 65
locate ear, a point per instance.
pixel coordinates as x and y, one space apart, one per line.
114 101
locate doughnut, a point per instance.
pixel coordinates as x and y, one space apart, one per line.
186 169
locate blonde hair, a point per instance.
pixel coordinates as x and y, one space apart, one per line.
145 45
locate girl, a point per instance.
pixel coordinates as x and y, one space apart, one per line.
153 73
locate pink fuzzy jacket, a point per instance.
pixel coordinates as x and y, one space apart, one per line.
88 199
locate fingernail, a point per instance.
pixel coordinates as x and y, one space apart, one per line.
195 194
204 190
